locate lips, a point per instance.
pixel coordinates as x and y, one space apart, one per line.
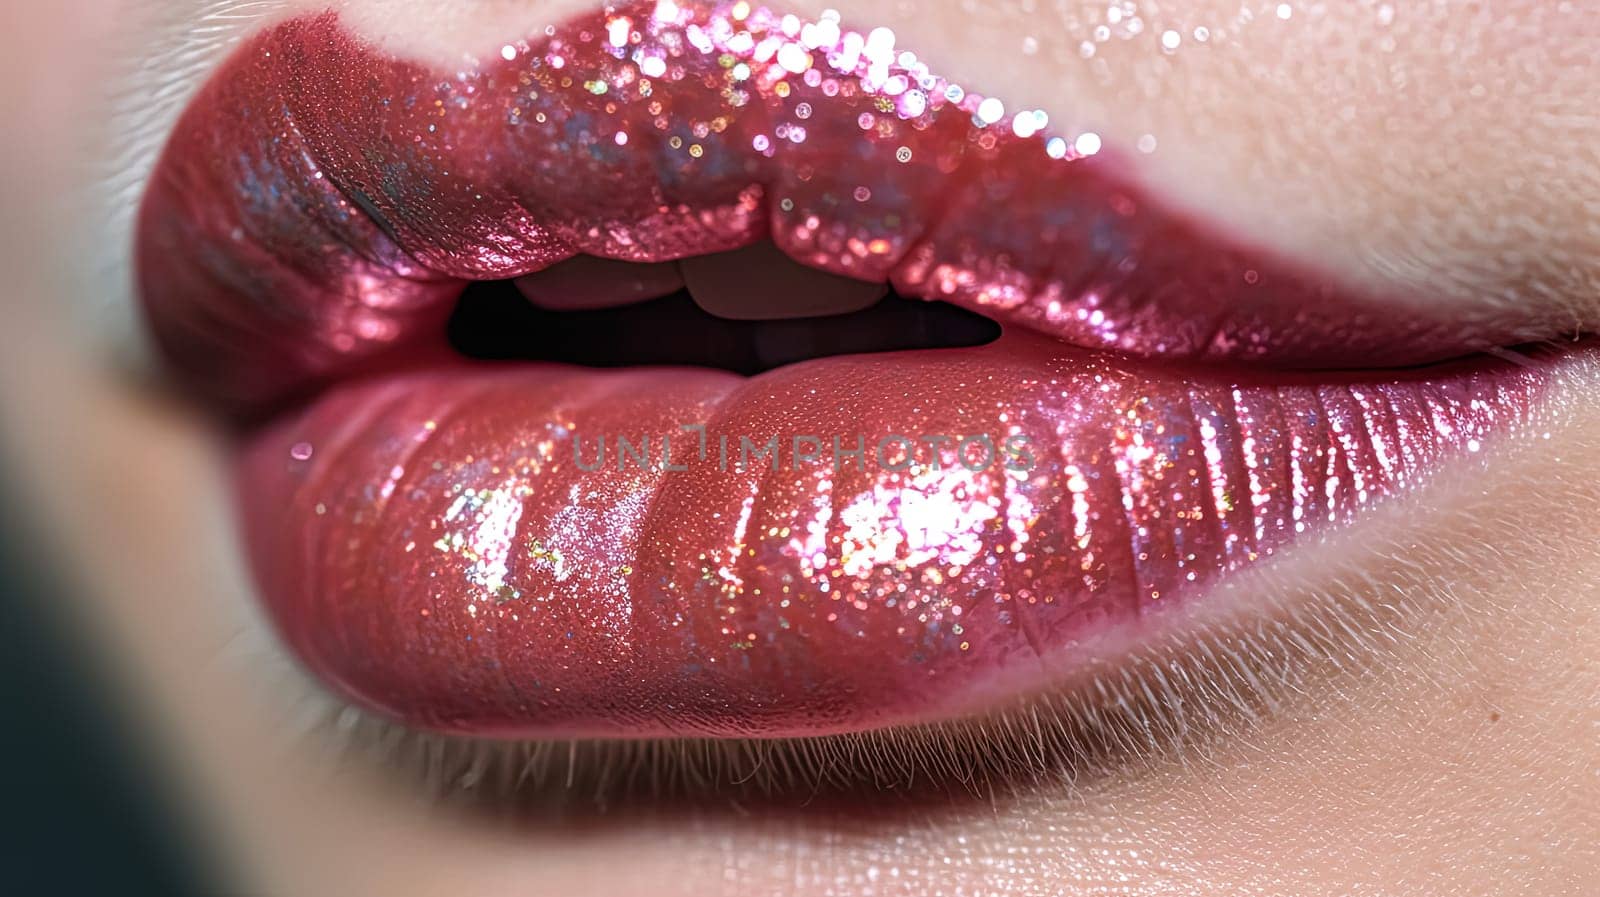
840 544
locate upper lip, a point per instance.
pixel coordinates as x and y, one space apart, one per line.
321 205
370 190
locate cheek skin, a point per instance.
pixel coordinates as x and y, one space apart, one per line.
1468 751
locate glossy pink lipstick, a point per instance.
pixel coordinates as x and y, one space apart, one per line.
829 546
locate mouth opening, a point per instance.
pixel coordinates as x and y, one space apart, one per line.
494 321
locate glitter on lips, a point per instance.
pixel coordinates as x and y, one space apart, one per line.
427 541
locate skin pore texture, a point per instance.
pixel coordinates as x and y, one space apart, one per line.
1438 738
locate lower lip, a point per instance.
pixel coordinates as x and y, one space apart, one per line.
433 547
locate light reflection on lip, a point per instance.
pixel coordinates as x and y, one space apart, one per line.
430 546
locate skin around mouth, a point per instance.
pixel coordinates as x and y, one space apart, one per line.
831 546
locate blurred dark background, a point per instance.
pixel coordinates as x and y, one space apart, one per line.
81 813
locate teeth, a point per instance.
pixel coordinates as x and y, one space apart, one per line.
585 282
760 283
